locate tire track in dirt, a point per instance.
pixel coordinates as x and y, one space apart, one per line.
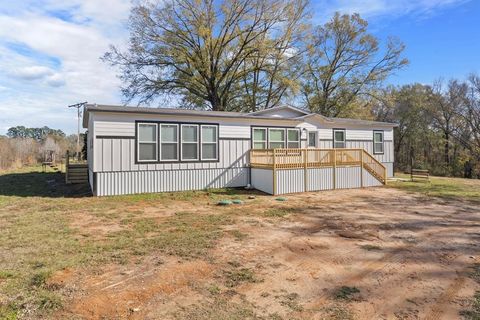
375 266
447 296
372 267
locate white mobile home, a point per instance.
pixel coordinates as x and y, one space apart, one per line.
279 150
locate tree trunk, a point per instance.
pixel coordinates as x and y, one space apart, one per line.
447 149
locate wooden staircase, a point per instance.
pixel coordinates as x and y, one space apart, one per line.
374 167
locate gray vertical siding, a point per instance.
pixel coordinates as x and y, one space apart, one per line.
389 166
90 179
292 180
262 179
369 180
386 157
133 182
119 155
319 179
348 177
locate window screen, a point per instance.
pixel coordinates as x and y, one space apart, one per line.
276 138
339 138
168 142
293 136
189 142
209 142
147 142
259 138
378 142
312 139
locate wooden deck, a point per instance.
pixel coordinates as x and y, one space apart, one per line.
317 158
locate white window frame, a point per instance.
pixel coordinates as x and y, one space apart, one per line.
295 141
182 142
315 142
260 141
209 143
147 142
344 138
170 142
381 142
284 137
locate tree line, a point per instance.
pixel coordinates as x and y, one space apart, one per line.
28 146
247 55
438 125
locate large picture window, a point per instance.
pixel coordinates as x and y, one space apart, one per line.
168 142
276 138
147 142
293 138
209 142
176 142
189 142
259 138
339 138
378 142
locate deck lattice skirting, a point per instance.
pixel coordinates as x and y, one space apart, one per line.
336 162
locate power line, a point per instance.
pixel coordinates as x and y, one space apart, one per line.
78 106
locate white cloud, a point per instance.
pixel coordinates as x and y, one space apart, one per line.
55 80
58 62
32 72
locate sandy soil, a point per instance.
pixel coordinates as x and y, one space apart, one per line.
408 256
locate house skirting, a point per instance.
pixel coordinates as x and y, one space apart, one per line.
283 181
133 182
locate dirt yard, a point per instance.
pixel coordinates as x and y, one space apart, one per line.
377 253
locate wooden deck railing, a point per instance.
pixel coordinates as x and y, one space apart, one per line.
317 158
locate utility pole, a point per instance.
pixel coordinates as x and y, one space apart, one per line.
79 113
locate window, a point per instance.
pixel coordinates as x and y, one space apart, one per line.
378 142
312 139
168 142
276 138
209 142
147 142
293 138
339 138
189 142
259 138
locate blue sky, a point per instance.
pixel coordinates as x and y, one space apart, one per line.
50 49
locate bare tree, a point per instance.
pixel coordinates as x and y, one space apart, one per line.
444 109
470 114
200 50
344 62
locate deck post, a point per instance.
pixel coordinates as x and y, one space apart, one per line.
361 168
334 169
274 173
385 176
67 161
305 170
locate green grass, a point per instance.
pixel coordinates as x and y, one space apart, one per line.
277 212
236 276
346 293
291 301
40 238
448 188
371 247
474 312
